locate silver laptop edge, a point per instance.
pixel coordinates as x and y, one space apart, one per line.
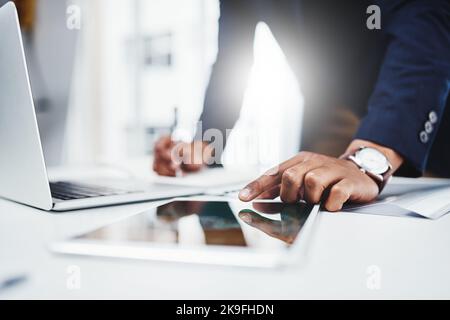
22 167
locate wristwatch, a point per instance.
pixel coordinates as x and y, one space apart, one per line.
373 163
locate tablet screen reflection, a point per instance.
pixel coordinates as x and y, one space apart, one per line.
231 223
221 226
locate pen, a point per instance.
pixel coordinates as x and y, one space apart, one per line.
178 171
10 282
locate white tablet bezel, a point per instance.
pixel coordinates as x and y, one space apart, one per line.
214 255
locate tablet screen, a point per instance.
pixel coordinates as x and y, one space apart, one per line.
207 223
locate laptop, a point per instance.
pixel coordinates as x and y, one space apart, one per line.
23 175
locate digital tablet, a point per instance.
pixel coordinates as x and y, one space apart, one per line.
258 234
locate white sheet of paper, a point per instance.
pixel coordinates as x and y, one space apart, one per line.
428 198
212 178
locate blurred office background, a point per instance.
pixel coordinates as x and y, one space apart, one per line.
107 76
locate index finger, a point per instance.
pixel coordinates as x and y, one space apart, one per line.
268 180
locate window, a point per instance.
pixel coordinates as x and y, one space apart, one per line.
138 60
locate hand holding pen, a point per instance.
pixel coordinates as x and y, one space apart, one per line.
176 158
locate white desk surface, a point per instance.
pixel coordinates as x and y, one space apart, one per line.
412 254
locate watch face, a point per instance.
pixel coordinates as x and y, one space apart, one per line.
372 160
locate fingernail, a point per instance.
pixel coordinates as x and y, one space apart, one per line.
246 217
245 193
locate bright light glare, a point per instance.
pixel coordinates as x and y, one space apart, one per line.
268 130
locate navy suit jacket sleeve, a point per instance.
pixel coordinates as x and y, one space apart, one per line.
409 98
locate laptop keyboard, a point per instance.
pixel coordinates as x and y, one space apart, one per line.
63 190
